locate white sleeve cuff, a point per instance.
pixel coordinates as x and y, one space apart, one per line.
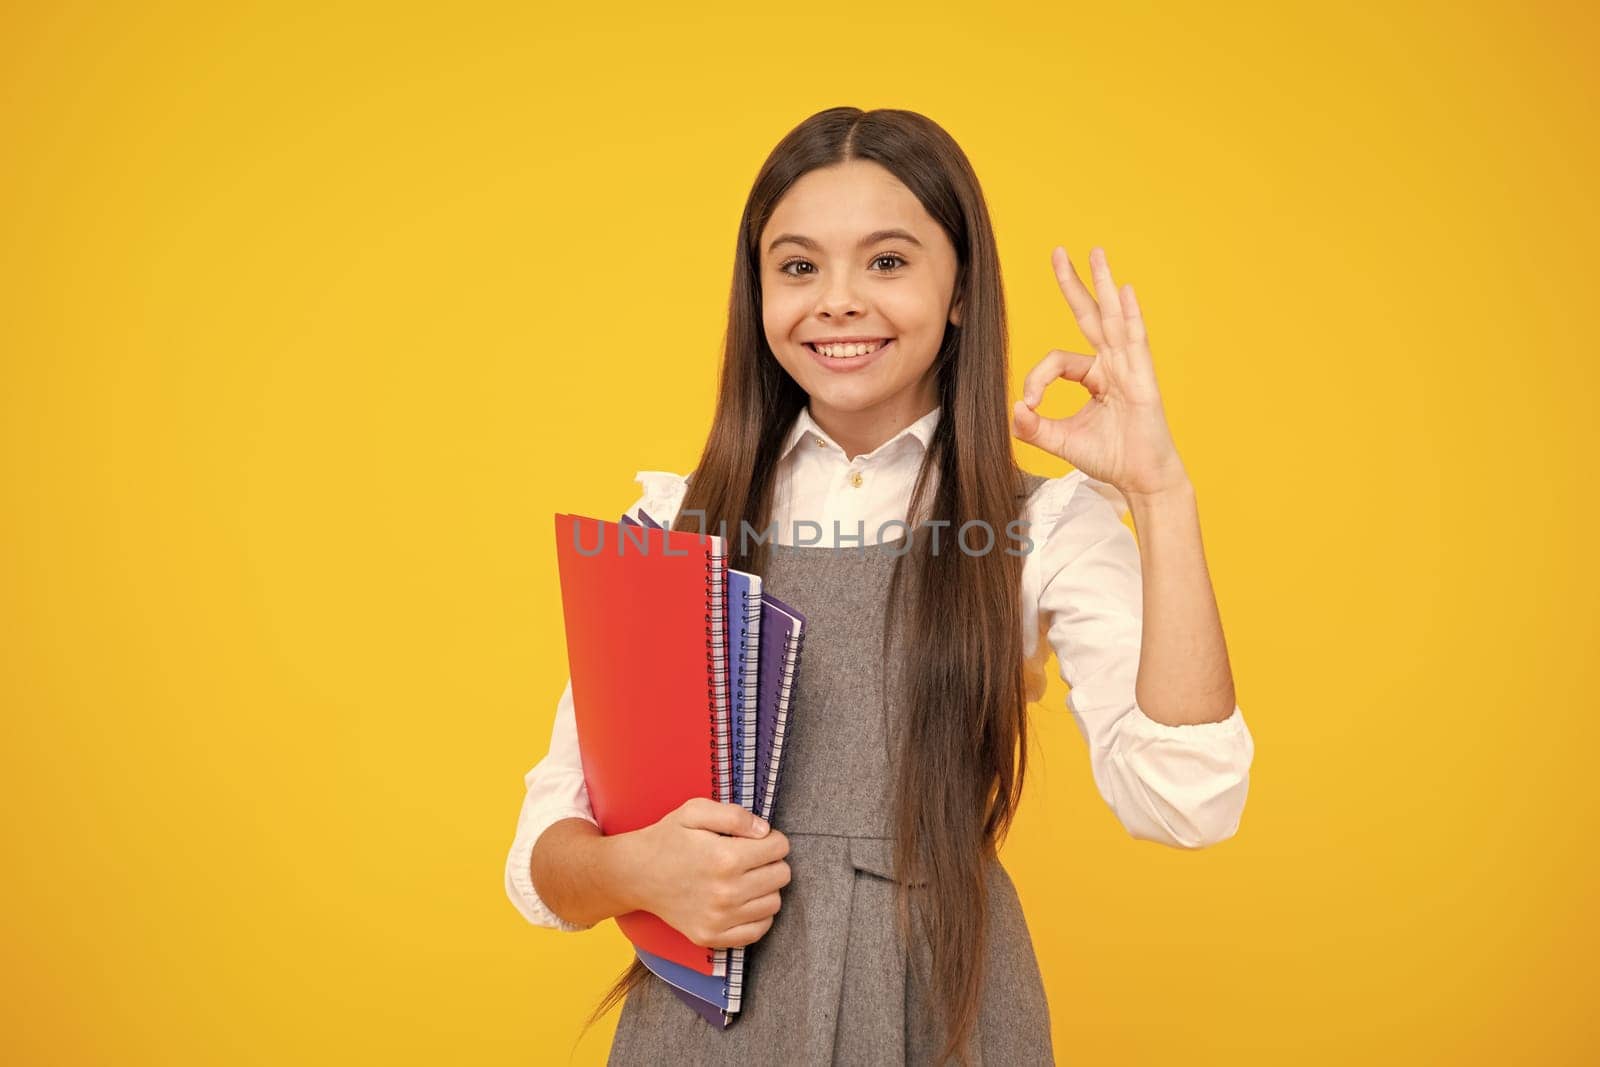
1139 724
519 875
1183 786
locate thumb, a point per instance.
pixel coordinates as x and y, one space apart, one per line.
722 818
1024 421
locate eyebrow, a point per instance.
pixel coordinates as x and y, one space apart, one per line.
872 238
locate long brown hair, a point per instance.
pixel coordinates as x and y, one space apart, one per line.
961 759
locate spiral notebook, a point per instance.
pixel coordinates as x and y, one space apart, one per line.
658 732
766 636
783 637
718 996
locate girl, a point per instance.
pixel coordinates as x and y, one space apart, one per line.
864 382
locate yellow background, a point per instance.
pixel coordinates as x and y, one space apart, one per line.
310 320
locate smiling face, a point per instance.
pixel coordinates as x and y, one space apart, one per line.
851 253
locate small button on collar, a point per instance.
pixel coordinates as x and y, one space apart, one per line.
855 479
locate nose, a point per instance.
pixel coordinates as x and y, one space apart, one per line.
839 300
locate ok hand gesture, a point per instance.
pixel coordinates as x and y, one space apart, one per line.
1120 436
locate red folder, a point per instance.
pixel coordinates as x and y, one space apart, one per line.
646 644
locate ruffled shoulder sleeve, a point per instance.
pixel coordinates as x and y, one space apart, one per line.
662 496
1048 507
1057 528
1068 506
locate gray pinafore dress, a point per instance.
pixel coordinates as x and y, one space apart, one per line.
833 981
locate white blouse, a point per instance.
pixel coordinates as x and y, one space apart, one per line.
1182 786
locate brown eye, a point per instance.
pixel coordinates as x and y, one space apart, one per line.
890 255
784 267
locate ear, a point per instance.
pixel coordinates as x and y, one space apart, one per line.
955 314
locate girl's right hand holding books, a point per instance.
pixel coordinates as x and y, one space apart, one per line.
712 871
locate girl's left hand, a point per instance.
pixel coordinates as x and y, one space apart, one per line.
1121 435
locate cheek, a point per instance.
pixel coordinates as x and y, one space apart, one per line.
914 311
780 315
782 328
779 327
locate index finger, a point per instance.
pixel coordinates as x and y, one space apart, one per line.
1055 364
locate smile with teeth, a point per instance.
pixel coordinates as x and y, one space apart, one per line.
848 351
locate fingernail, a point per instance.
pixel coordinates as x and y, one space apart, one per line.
761 827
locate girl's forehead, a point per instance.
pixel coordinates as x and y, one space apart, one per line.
837 206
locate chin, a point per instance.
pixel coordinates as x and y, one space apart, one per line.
849 399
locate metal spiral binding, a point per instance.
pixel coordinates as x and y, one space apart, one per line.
786 688
733 987
749 615
717 671
749 682
717 680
